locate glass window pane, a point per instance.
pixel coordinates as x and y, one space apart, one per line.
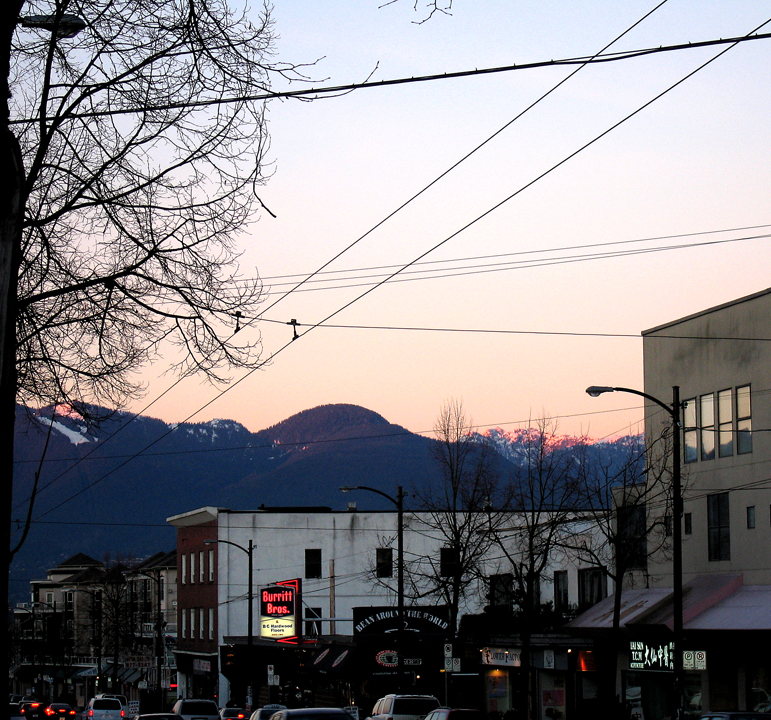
690 453
707 420
725 423
743 420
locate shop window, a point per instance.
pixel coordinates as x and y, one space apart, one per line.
707 426
690 450
592 587
751 517
561 590
743 420
384 562
725 419
313 563
718 529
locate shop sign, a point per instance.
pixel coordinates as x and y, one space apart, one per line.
434 620
502 657
278 610
651 657
201 666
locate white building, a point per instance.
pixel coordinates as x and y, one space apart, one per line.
345 560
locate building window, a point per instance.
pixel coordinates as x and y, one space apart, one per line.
751 517
449 561
192 569
718 531
501 590
690 453
211 565
707 426
687 524
312 622
667 525
725 427
561 590
633 543
743 420
183 622
211 623
201 568
49 598
200 624
384 562
183 569
592 587
313 563
192 623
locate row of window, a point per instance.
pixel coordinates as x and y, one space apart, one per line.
592 587
717 422
384 562
205 569
196 623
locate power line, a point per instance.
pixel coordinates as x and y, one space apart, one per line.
340 89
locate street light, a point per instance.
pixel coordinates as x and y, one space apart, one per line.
677 536
399 502
249 550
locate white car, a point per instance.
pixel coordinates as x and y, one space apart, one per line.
197 709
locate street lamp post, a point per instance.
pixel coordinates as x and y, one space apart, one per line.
399 502
677 535
249 550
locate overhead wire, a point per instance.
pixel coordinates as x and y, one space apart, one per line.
427 252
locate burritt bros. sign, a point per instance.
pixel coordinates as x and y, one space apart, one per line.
278 610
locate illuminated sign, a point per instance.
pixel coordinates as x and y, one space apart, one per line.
278 611
651 657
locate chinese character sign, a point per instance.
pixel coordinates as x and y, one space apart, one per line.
651 657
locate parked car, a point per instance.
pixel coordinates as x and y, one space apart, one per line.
311 714
123 700
60 710
32 709
104 709
403 707
197 709
455 714
14 711
264 713
233 714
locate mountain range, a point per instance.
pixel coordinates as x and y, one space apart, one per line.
107 489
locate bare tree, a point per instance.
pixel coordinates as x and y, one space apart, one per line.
460 512
132 147
543 497
621 503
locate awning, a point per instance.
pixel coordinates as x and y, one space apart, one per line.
710 602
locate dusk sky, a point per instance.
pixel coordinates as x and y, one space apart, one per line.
677 195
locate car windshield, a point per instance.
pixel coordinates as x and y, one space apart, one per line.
414 706
199 707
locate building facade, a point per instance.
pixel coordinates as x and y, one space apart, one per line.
345 564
